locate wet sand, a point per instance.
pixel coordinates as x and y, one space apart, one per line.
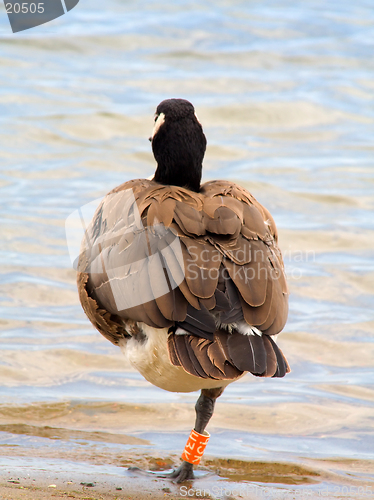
219 479
42 487
45 484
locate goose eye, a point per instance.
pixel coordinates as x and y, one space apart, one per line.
156 116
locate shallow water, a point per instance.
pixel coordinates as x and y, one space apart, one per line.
285 94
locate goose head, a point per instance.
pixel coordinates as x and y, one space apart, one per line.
178 144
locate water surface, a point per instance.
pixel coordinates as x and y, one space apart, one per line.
285 93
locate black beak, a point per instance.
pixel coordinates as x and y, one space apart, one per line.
150 139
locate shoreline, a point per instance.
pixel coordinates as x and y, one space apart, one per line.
29 478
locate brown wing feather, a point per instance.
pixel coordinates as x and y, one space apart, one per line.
188 295
106 324
257 316
209 303
225 222
250 281
201 266
189 219
254 221
166 211
237 249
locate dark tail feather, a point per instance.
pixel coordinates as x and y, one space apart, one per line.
256 354
198 322
247 352
282 365
172 349
271 358
227 356
193 354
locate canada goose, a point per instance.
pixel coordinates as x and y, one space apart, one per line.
186 278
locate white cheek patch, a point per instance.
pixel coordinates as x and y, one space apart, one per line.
197 118
160 120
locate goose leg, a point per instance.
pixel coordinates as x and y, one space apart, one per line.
204 410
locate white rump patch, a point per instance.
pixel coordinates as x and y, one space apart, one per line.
275 337
245 329
181 331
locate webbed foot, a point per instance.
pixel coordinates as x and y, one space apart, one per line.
183 473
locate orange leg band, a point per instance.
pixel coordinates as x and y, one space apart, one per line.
195 447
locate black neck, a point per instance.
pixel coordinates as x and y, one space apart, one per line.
185 175
179 149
